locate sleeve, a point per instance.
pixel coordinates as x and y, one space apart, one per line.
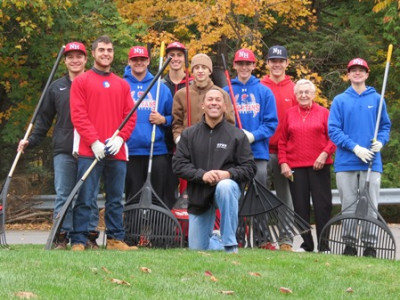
167 109
178 113
45 118
282 143
126 131
79 112
245 168
330 147
229 114
384 126
269 120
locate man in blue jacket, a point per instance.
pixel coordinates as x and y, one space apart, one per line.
139 78
351 125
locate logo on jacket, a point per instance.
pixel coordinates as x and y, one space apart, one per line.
106 84
148 103
248 104
221 146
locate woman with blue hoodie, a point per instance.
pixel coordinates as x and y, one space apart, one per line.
139 78
257 109
351 126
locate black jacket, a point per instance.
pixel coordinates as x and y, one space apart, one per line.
55 103
202 149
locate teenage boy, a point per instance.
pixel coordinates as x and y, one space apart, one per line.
283 89
351 126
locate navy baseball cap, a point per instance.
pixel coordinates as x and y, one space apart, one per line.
277 52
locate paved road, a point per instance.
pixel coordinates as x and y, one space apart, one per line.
40 237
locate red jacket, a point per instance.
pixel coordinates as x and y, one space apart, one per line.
301 143
285 99
99 104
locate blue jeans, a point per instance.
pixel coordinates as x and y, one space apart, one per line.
226 198
65 178
113 172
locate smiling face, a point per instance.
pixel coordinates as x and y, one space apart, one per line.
357 75
277 68
75 62
214 106
139 66
305 94
201 73
103 56
244 70
178 59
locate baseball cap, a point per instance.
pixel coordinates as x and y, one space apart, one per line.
175 46
277 52
244 55
357 62
75 46
138 51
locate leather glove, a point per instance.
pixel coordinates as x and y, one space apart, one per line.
376 146
363 153
178 138
98 150
113 146
249 135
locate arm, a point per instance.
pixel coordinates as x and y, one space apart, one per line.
268 115
178 114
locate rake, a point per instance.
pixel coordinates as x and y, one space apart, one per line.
147 224
364 229
263 217
6 186
55 229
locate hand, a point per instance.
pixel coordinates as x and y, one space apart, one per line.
319 163
156 118
363 153
22 145
98 150
212 177
249 135
286 171
113 146
376 146
178 138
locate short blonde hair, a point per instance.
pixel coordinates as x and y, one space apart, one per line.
304 82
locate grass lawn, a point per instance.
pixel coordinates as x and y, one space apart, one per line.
185 274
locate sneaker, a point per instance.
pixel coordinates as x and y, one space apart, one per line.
286 247
78 247
350 251
268 246
300 250
91 243
369 252
231 249
113 244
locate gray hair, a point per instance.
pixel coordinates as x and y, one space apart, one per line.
304 82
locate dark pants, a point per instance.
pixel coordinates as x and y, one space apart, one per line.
317 184
136 176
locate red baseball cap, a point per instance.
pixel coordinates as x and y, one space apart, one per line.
138 51
175 46
244 55
357 62
75 46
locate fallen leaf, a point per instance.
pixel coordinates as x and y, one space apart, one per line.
285 290
204 253
213 278
226 292
145 270
236 262
349 290
122 282
255 274
25 295
208 273
105 270
94 270
327 264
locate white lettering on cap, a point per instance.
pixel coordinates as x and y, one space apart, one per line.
243 54
277 51
74 46
358 61
138 50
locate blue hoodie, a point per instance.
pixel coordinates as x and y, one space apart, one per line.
257 111
140 140
352 122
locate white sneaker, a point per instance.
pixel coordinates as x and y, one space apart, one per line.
300 250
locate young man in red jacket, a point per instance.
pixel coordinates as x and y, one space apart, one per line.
283 89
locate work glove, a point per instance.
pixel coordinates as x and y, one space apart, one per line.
249 135
113 146
98 150
363 153
178 138
376 146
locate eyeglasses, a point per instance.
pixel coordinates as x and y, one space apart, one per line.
307 92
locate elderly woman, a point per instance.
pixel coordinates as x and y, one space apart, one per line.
305 156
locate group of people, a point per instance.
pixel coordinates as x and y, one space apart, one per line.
280 136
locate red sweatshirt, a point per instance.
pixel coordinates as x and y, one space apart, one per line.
301 143
99 104
285 99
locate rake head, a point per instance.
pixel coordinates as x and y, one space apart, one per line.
153 226
265 218
350 234
3 241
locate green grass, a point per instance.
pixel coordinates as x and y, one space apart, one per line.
180 274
